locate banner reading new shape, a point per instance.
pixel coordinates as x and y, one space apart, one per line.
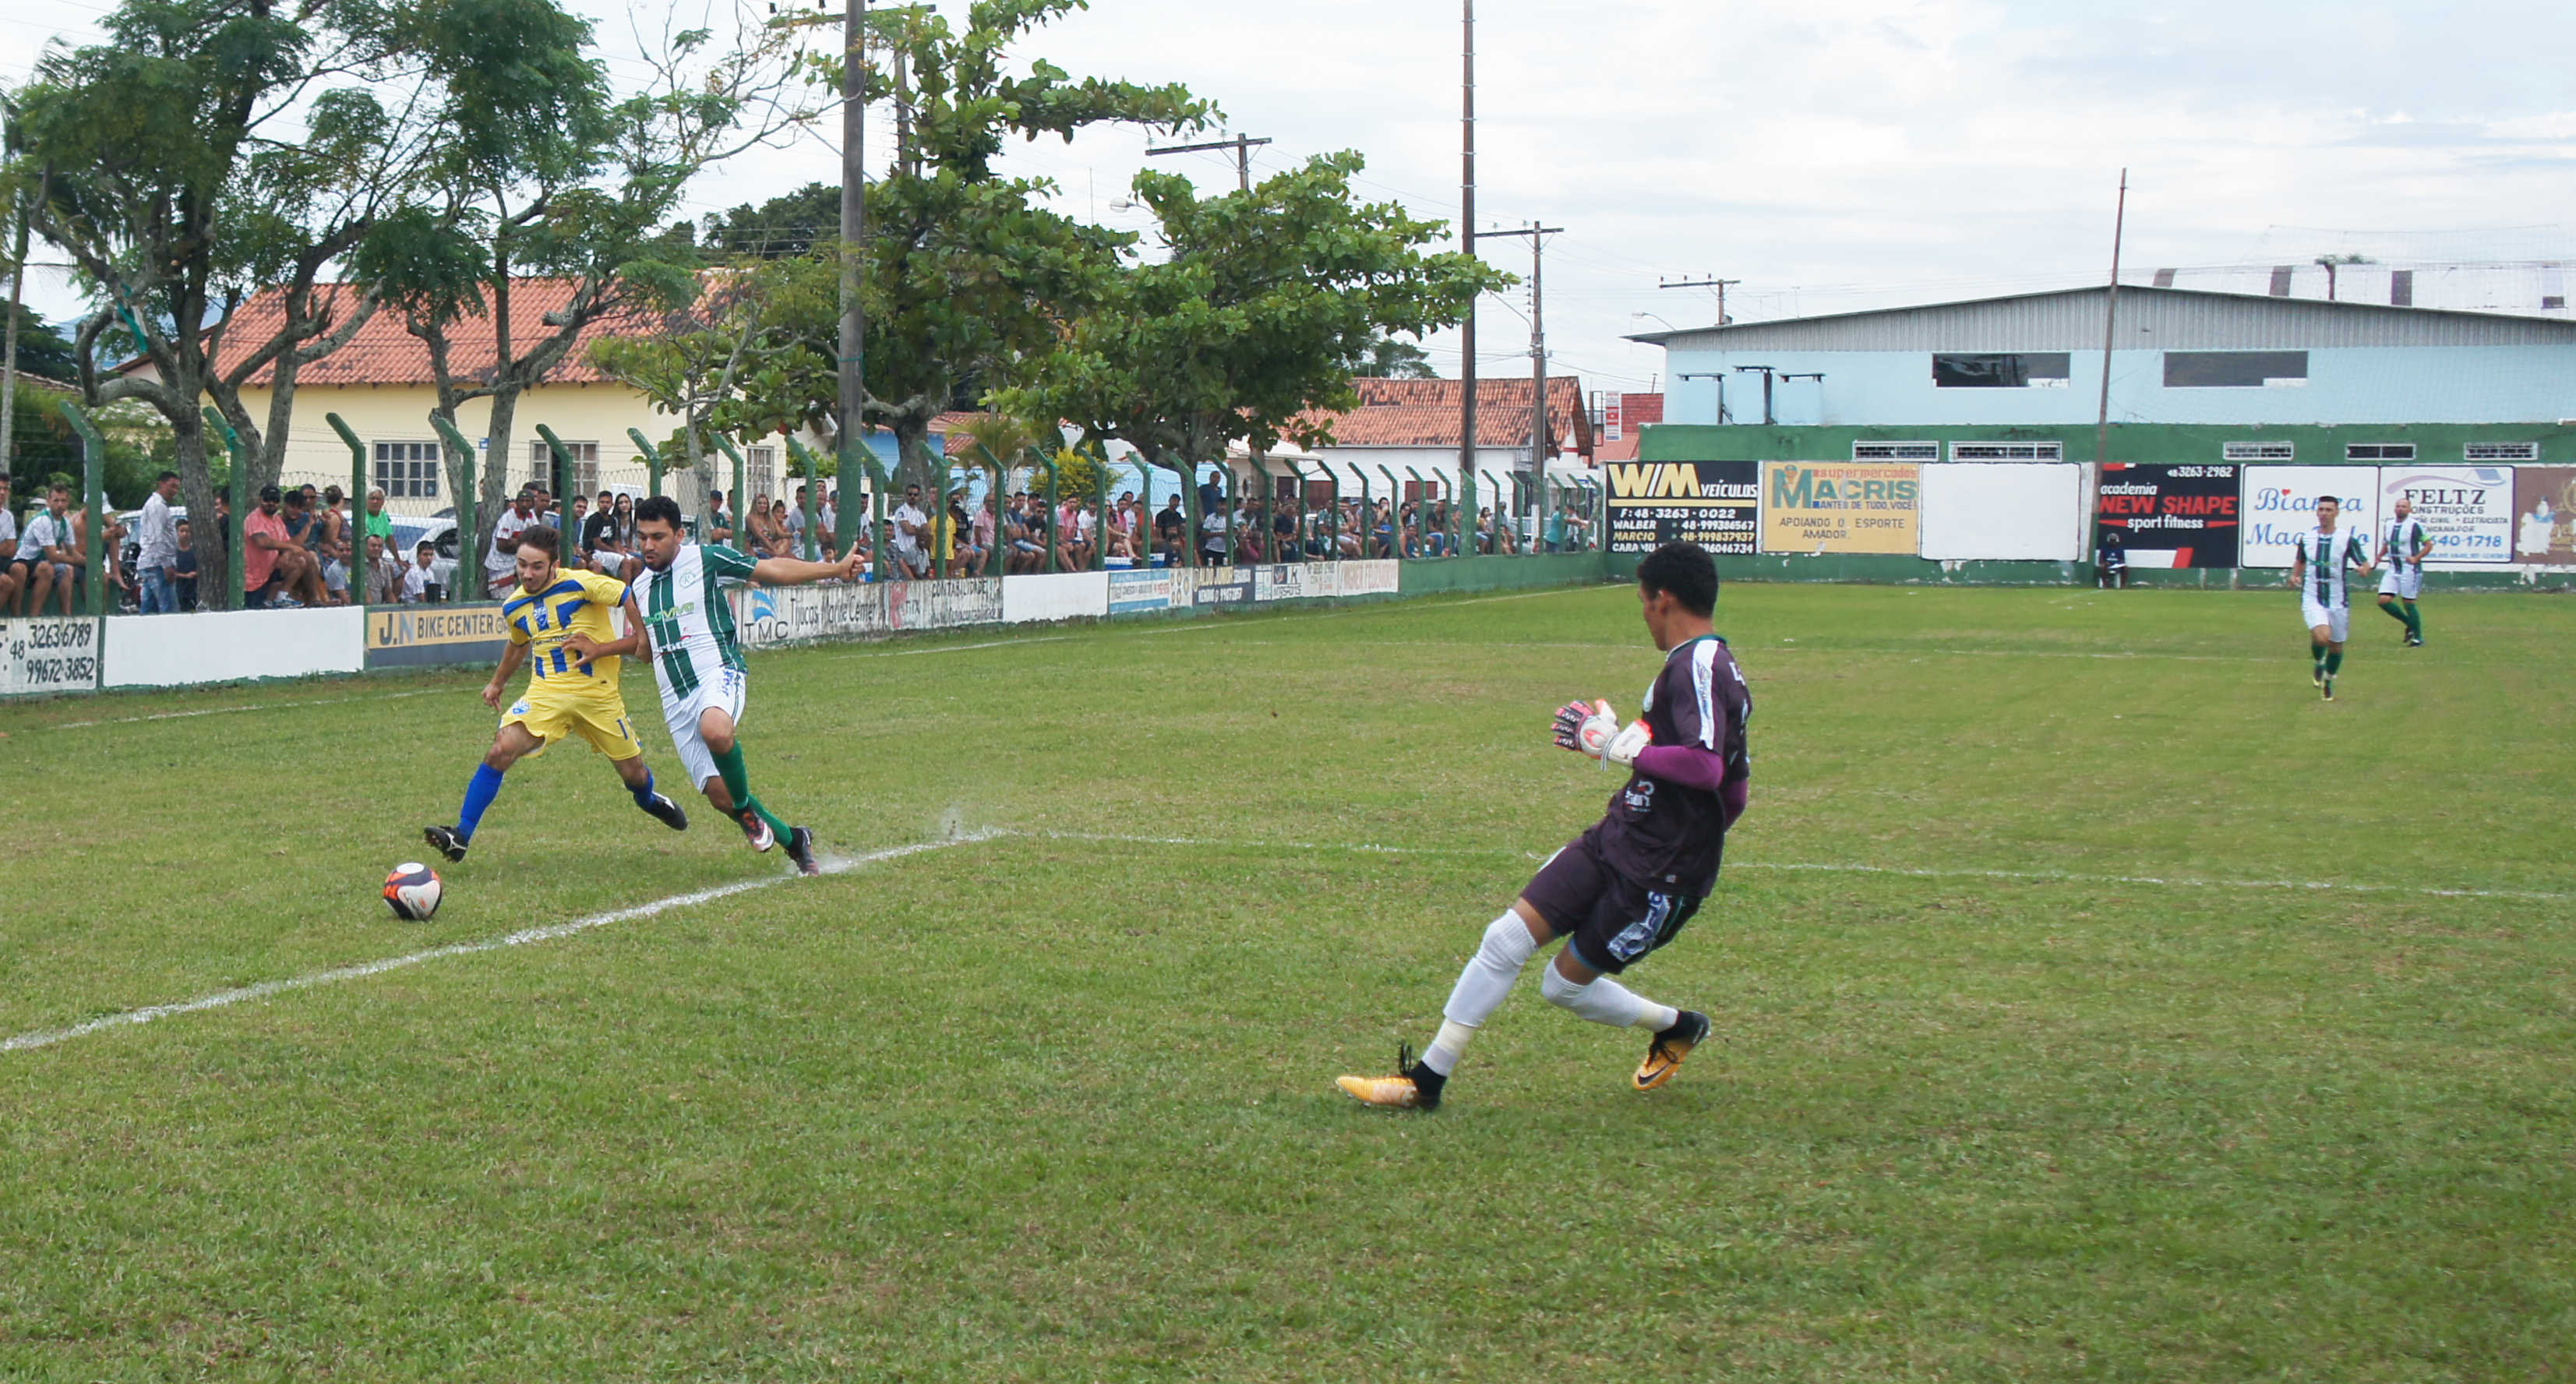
2171 516
1709 503
1839 507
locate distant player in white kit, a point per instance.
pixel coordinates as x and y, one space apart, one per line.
2402 552
2324 605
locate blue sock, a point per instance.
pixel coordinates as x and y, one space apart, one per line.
644 794
479 793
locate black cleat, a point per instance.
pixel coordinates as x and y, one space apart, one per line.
667 812
2317 676
800 848
1413 1087
2327 687
762 838
445 841
2414 641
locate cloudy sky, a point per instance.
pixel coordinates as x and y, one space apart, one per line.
1830 156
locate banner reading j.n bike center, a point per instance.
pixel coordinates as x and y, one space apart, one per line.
1709 503
1840 507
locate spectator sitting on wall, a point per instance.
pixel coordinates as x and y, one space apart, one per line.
782 539
47 554
1283 532
982 531
1025 534
911 535
157 534
384 573
720 520
602 519
8 551
755 526
501 563
301 569
419 582
961 525
1171 530
334 549
183 569
264 548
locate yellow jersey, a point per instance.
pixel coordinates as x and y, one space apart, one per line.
574 603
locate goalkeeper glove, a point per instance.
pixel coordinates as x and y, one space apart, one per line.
1595 730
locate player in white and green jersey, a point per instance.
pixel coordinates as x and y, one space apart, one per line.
697 659
2401 551
2317 565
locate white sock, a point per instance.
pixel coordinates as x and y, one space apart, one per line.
1483 984
1606 1001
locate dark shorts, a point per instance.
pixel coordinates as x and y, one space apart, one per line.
1609 919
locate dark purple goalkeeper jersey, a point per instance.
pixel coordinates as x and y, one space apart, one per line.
1665 835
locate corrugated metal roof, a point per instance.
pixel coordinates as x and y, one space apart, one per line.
2150 318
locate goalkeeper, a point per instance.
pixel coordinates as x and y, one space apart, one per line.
1625 887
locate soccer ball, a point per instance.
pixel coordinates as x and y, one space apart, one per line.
412 891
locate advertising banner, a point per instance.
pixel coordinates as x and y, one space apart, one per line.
768 616
1055 596
1710 503
1377 576
2001 511
939 605
2281 504
419 636
1840 507
50 655
2466 510
1295 581
1136 591
2171 516
2544 515
1218 586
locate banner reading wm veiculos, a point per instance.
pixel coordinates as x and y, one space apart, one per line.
2171 516
1710 503
1840 507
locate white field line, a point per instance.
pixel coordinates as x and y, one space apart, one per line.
43 1038
2041 876
252 706
957 648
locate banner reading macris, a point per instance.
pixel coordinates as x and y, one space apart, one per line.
2171 516
1840 507
1710 503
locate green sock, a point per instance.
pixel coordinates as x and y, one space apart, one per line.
2414 620
2396 612
2316 655
2334 663
738 786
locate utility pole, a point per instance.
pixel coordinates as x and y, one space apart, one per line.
1241 145
9 365
1467 235
1539 439
1710 282
2102 419
854 237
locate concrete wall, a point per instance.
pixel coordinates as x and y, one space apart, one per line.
2374 385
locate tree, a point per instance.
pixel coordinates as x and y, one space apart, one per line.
571 186
965 277
213 149
1386 358
1246 329
790 225
42 351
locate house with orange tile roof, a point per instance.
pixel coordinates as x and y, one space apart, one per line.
1404 428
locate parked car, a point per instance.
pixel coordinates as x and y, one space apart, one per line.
440 530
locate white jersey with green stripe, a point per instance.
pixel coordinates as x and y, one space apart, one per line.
2327 554
2407 542
687 618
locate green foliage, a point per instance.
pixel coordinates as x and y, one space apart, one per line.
794 224
42 351
1387 358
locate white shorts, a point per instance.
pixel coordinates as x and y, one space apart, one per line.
2338 620
2406 584
723 689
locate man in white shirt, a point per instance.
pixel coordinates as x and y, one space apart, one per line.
156 537
911 526
8 551
501 564
2317 570
417 577
48 552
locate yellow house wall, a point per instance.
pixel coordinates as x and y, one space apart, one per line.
598 413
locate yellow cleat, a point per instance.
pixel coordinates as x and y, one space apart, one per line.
1411 1088
1664 1055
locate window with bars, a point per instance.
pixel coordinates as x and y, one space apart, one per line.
2007 451
2259 451
2501 451
1896 451
407 470
584 479
759 472
2379 451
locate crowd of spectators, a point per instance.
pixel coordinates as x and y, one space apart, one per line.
302 546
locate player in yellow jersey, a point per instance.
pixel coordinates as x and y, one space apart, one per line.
566 694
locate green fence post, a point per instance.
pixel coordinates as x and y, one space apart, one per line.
1394 511
1368 509
741 519
652 460
469 562
94 502
233 598
1100 515
357 510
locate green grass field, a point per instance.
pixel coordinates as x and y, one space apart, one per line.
2181 1027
